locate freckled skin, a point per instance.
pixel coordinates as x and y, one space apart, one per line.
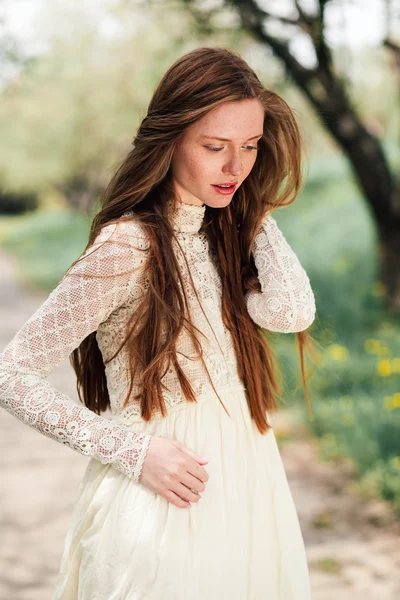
195 167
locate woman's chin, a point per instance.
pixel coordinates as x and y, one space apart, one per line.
219 202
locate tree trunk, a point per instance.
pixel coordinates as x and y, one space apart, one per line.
389 263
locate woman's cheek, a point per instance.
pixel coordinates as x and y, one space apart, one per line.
253 162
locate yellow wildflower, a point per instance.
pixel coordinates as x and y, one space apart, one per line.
396 400
378 288
392 402
337 352
372 346
384 368
384 351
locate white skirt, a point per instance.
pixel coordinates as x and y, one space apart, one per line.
241 541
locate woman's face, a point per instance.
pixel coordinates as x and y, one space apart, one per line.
218 149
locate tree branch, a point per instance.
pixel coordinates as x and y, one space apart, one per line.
327 94
304 17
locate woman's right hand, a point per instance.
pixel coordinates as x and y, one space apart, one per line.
172 470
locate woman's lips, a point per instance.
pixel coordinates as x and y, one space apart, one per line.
225 191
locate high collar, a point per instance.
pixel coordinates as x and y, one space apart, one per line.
188 218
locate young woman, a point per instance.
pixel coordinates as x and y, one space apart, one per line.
163 316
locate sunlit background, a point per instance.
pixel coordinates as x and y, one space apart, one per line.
75 80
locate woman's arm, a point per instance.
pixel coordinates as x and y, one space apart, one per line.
286 302
96 286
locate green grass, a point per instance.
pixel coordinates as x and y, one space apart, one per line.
329 564
355 391
45 243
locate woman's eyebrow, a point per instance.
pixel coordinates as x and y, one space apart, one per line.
211 137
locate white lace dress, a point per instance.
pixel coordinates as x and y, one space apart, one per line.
242 540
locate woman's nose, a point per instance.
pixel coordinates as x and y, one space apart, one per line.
234 166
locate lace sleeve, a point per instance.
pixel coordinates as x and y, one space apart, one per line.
286 302
84 298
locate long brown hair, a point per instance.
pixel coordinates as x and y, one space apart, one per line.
198 82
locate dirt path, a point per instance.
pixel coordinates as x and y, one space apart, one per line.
353 546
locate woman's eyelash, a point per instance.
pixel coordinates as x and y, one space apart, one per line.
218 149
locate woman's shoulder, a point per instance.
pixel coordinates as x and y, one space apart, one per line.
126 230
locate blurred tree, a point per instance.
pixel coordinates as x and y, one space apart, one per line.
326 90
395 49
68 116
11 54
13 203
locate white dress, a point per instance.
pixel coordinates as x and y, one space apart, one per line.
242 540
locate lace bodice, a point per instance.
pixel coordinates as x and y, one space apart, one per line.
100 293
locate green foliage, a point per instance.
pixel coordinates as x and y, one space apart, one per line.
385 475
355 391
45 244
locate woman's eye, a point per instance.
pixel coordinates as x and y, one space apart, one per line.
213 149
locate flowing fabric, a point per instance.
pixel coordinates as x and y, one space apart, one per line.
241 541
